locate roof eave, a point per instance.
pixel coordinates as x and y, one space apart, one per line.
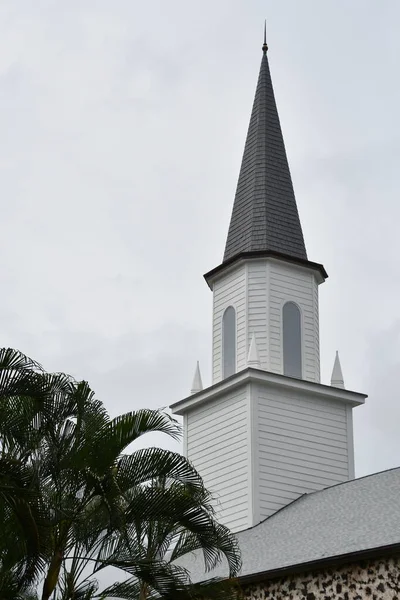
318 268
266 378
330 561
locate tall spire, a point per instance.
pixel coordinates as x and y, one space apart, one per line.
265 216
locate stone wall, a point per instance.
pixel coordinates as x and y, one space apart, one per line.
369 580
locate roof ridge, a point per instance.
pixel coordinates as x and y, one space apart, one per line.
307 494
355 480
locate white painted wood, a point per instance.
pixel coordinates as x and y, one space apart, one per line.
303 446
350 442
197 384
337 374
252 497
185 429
257 296
230 290
253 358
258 289
218 446
254 454
325 393
316 332
260 439
291 283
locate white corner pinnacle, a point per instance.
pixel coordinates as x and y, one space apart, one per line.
337 375
197 384
253 359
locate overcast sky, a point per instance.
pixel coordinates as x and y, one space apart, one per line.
122 125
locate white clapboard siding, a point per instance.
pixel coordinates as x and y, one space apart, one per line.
217 445
230 290
316 332
291 283
257 308
302 447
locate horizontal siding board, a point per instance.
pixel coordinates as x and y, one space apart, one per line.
287 287
205 430
274 492
276 442
230 278
234 495
311 422
323 458
297 295
258 309
225 482
305 476
316 424
230 290
280 482
302 446
306 414
306 407
218 411
217 447
211 442
316 313
295 401
225 294
235 298
207 418
212 407
288 284
307 466
284 274
236 511
232 504
231 297
235 425
238 519
204 450
215 471
321 441
233 450
328 436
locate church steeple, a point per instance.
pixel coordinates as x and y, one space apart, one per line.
266 431
265 216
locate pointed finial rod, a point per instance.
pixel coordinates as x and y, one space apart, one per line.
265 45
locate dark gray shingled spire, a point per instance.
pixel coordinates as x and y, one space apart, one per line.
265 216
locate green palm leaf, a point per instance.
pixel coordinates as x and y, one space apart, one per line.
71 500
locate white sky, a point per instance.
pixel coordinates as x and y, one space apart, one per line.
122 128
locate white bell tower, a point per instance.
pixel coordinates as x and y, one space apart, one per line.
266 431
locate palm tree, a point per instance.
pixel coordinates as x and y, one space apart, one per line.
175 522
76 502
22 513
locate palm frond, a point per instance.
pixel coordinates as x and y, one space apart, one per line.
149 464
70 496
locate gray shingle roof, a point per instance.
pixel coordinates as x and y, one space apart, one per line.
351 517
265 214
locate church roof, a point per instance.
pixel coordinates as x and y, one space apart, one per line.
348 519
265 216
